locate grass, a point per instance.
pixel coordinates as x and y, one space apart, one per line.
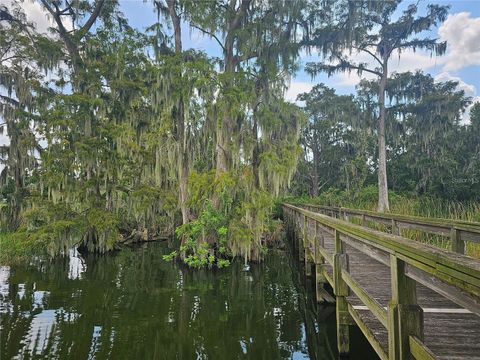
405 204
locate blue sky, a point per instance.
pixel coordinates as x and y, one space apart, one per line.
461 31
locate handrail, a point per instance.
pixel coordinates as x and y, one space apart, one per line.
454 276
436 261
459 231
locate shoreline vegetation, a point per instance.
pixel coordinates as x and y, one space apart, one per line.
15 248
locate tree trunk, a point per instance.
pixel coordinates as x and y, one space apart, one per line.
222 145
183 169
383 204
177 30
256 150
224 126
315 180
14 166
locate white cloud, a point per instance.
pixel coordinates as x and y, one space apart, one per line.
296 88
36 13
4 140
462 33
469 89
414 60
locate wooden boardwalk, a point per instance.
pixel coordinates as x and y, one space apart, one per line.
409 299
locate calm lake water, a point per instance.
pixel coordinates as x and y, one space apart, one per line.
134 305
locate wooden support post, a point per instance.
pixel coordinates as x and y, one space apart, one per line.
457 244
364 221
308 262
302 240
309 251
340 261
395 228
405 317
322 294
337 242
298 232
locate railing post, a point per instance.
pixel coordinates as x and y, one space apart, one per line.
298 231
340 262
364 220
320 279
307 245
457 244
405 317
395 228
301 243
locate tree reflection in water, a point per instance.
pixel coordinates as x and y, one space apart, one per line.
134 305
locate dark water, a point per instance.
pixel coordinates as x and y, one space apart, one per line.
134 305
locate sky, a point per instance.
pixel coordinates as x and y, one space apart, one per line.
461 62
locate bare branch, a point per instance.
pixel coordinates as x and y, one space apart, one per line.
93 17
9 100
209 34
370 53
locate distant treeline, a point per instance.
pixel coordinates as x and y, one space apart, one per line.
433 149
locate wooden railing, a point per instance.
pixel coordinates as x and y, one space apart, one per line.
458 231
326 243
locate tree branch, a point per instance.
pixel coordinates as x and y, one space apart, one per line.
370 53
56 17
209 34
235 23
344 65
93 17
9 100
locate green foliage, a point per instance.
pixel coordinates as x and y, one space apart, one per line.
171 256
199 236
16 248
336 141
221 263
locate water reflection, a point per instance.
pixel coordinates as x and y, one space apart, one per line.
133 305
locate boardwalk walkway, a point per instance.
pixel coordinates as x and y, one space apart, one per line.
409 299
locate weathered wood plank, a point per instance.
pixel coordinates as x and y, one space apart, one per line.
372 304
419 350
366 330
